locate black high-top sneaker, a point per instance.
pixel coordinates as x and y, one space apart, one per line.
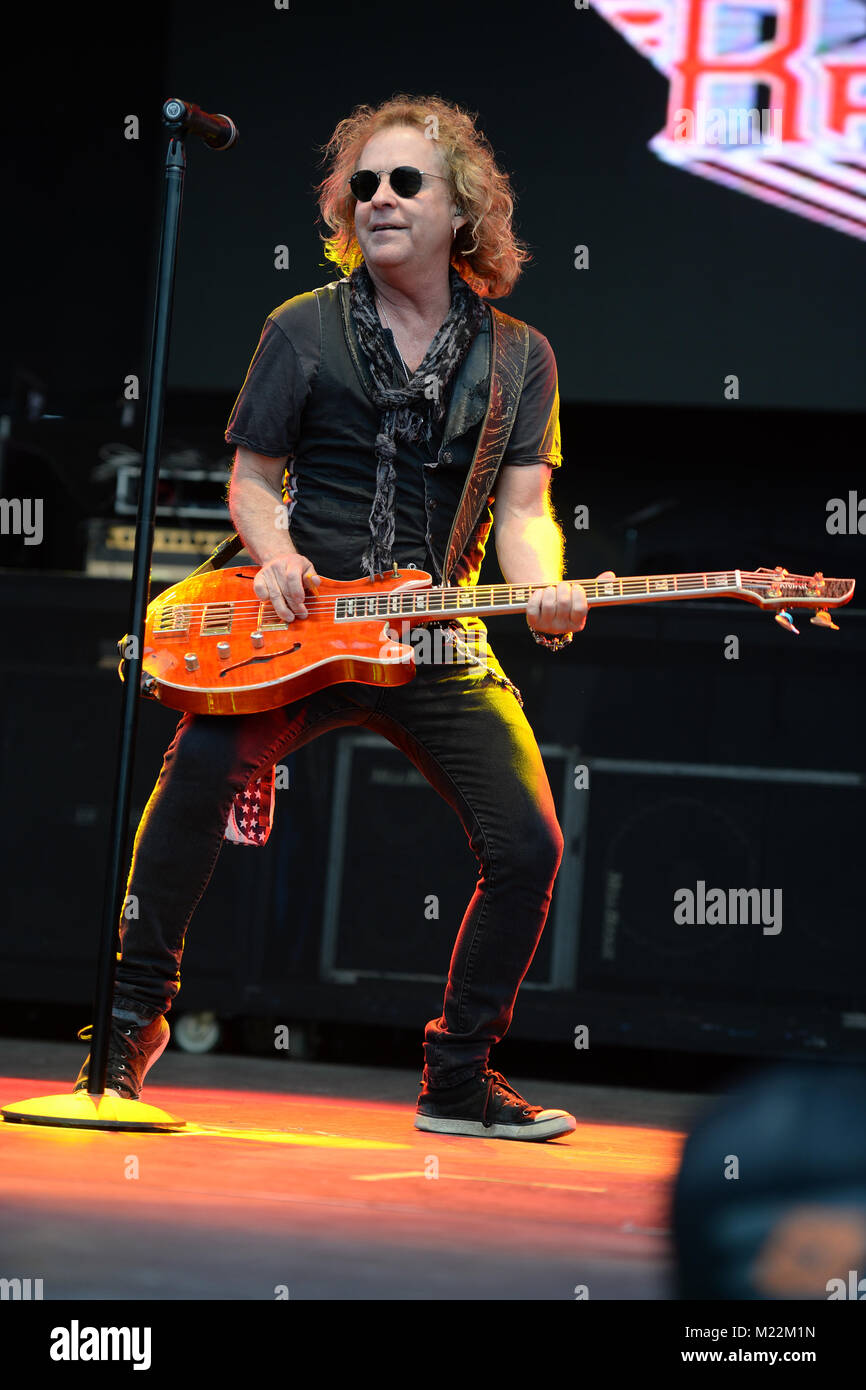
132 1050
487 1107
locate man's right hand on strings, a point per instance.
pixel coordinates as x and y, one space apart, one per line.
285 580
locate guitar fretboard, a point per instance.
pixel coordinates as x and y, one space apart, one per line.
514 598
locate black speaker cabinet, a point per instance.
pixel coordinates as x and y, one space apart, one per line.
401 873
657 830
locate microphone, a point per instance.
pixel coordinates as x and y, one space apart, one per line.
181 117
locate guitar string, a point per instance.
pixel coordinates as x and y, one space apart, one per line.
726 576
249 609
270 616
504 592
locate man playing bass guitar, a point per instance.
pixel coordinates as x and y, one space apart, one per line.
355 431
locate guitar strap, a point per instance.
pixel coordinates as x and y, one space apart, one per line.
509 355
252 813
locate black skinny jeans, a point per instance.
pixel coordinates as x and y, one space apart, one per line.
469 737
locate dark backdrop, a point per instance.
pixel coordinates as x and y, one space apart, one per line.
687 281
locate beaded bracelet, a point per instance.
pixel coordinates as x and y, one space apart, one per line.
554 642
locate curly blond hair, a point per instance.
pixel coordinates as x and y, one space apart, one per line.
485 251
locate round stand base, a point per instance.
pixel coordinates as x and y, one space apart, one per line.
81 1110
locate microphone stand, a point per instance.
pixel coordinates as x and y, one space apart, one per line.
93 1109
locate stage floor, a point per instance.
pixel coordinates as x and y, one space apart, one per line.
309 1178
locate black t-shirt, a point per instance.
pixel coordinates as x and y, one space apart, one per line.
329 494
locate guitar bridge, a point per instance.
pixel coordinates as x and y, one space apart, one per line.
172 620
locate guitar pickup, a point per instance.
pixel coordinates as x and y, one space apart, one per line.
270 620
217 619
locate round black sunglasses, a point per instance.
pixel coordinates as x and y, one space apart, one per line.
405 181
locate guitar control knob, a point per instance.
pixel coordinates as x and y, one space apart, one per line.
190 661
223 650
822 619
257 639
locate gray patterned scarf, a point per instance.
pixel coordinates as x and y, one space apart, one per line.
411 411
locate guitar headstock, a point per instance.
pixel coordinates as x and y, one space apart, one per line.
778 589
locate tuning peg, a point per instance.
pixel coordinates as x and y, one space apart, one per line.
783 618
822 619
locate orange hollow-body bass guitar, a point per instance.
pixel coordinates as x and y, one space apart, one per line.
211 646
